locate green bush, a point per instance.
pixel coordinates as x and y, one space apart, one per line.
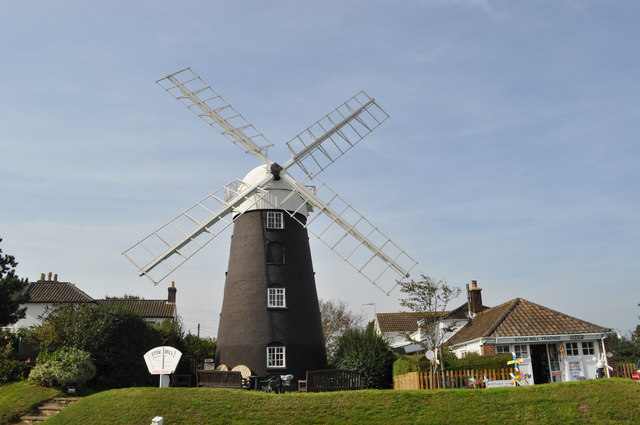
64 368
117 339
407 363
199 348
12 368
367 352
477 362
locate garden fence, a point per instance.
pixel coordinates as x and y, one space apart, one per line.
452 378
460 378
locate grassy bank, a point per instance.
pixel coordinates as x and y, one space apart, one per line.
613 401
20 397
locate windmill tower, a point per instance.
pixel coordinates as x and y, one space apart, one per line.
270 318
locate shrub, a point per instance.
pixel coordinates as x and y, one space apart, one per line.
65 367
407 363
472 361
12 368
116 338
476 361
367 352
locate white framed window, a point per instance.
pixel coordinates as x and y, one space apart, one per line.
587 348
572 348
522 351
276 298
501 349
275 220
276 357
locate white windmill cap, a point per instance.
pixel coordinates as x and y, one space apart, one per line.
279 195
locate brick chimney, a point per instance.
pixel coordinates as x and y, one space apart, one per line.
474 297
171 297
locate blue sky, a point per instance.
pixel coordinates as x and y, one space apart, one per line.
510 158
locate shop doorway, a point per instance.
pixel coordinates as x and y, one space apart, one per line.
540 364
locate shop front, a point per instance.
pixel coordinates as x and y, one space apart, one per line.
555 358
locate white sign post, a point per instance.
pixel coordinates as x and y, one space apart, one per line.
162 361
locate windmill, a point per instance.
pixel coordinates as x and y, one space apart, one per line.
270 319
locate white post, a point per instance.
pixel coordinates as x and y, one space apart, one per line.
604 356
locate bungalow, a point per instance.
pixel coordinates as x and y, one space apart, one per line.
400 329
48 292
553 346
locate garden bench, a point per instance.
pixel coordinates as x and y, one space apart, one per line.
330 380
219 379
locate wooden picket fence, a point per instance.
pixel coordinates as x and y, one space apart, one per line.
460 378
624 370
452 378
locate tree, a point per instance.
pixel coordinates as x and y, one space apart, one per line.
367 352
429 297
11 287
123 297
626 348
117 339
336 320
199 348
170 333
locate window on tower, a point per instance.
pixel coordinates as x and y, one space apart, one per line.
275 220
275 253
276 298
276 356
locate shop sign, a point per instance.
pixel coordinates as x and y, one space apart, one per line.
575 369
499 384
162 360
542 338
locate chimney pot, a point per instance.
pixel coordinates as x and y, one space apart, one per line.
49 276
55 277
171 296
475 298
41 276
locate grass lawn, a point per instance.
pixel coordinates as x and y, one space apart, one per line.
610 401
20 397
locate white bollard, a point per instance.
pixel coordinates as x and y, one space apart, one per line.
157 420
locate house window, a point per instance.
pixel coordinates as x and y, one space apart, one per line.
274 220
275 253
587 348
276 356
501 349
276 298
522 351
572 348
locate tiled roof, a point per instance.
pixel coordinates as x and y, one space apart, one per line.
520 317
461 313
399 322
55 292
146 308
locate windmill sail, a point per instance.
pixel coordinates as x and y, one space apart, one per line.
354 238
179 239
333 135
193 92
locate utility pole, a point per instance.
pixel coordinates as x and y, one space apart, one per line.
198 330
